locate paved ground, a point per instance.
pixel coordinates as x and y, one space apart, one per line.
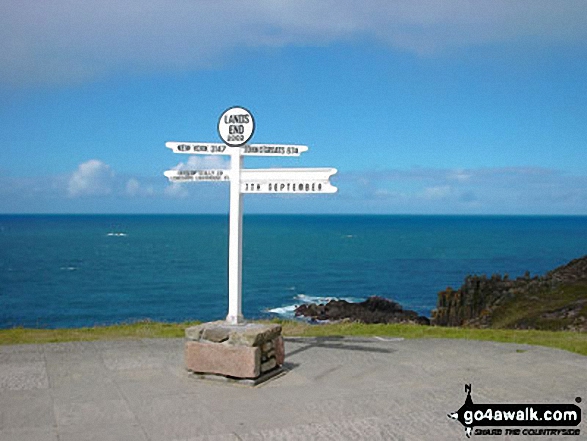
335 389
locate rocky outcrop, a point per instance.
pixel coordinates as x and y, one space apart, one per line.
476 298
373 310
573 272
557 300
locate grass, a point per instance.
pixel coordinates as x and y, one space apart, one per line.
569 341
141 329
539 310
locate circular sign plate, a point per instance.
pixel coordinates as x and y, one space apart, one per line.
236 126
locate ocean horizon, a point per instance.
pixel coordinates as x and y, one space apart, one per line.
71 270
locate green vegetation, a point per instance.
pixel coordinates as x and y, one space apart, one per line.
556 301
544 309
570 341
141 329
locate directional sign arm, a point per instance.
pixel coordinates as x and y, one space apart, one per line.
198 148
287 180
274 150
265 180
211 148
219 175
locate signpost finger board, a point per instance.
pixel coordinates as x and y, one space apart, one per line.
210 148
269 180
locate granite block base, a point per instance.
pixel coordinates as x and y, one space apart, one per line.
250 351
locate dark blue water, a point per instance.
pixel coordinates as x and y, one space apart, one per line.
64 271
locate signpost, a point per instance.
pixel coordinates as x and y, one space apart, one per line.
209 148
236 127
287 180
197 175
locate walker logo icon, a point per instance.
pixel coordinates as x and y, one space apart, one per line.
517 415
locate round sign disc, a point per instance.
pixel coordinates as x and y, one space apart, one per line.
236 126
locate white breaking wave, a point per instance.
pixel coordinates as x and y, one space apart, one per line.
288 311
284 310
117 234
313 299
320 299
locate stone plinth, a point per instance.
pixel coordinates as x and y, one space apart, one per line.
244 351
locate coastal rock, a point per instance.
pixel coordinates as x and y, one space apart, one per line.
554 301
373 310
573 272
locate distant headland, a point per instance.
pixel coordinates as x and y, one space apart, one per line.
554 301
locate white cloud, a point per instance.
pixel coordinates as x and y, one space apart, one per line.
134 188
92 178
176 191
459 175
505 190
502 190
196 162
95 178
437 192
67 40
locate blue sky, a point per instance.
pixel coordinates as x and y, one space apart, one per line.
424 107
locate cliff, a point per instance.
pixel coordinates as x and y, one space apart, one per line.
554 301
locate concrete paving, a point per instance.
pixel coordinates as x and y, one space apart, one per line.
335 389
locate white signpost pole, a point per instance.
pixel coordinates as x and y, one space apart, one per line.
235 127
235 241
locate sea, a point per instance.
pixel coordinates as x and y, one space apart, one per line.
59 271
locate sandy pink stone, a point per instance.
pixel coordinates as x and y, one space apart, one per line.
279 350
214 358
